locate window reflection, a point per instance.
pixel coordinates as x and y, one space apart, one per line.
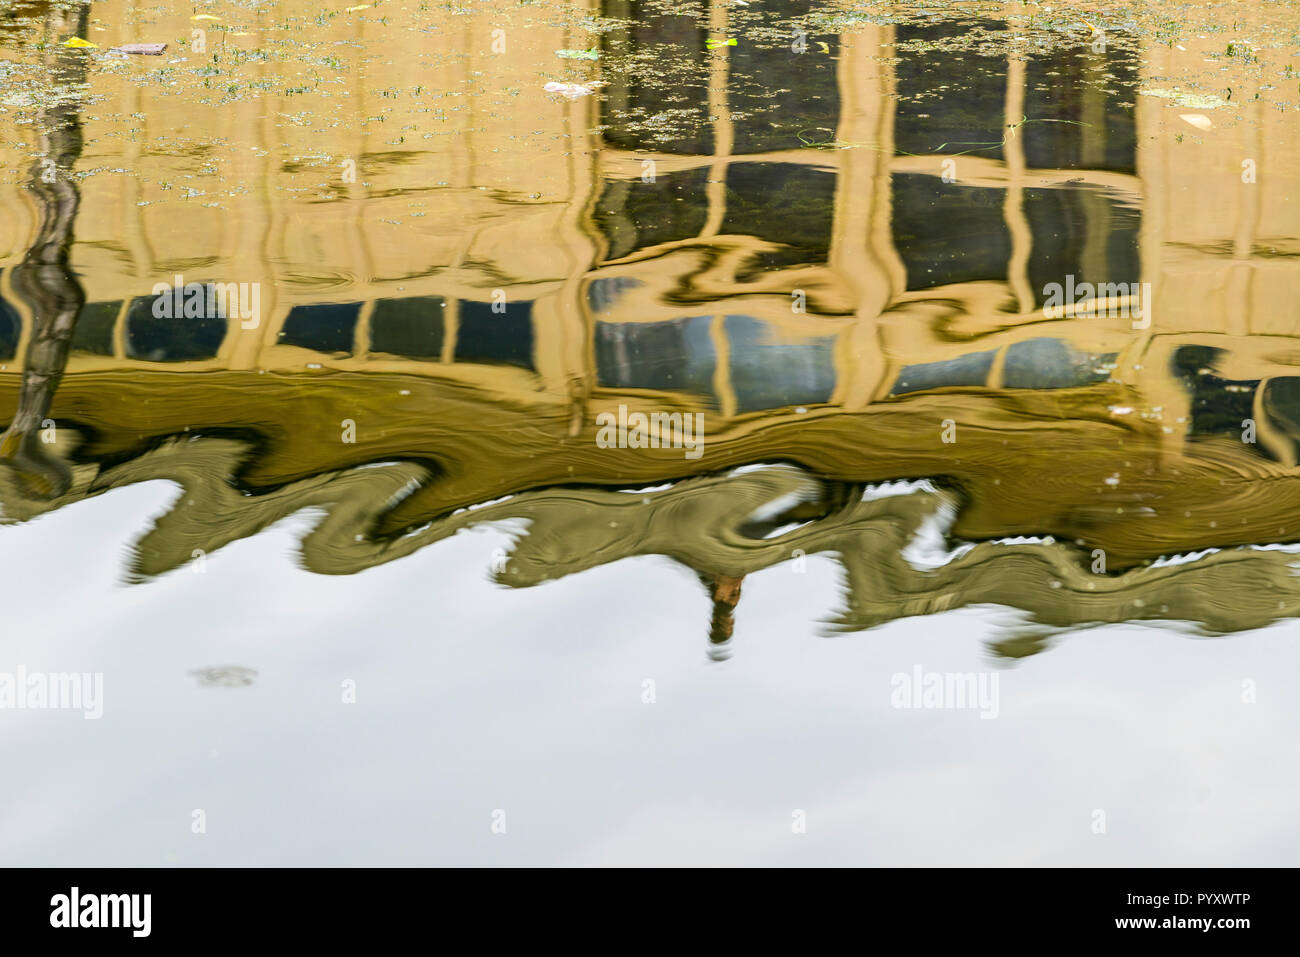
503 337
11 328
94 331
409 327
172 339
674 355
767 373
947 233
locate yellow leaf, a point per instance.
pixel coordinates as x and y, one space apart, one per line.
204 16
364 6
79 44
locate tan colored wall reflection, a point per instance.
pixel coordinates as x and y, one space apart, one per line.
482 182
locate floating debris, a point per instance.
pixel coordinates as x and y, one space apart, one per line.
1193 101
79 44
573 90
224 676
592 54
140 49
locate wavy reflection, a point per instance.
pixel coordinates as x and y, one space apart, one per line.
844 264
893 541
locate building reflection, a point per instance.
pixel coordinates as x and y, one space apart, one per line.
829 254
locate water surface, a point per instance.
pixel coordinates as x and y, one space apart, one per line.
360 565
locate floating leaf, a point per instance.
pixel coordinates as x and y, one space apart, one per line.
360 6
592 54
1197 120
714 44
79 44
204 16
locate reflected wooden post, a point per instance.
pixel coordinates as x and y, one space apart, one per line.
724 590
724 133
1013 151
864 177
45 280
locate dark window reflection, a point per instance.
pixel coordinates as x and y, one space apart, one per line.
674 355
1089 97
11 328
635 215
410 327
328 327
784 203
1080 232
776 94
94 331
769 373
947 233
1218 405
487 336
948 101
177 339
673 86
1282 406
1078 104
